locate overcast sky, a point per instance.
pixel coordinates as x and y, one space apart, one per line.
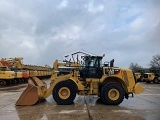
41 31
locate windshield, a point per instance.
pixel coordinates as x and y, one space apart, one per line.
92 62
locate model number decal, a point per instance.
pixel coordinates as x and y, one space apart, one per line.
112 71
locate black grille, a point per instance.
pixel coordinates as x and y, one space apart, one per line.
145 75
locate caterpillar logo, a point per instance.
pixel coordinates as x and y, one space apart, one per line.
112 71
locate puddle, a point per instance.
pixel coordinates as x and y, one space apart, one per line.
122 111
72 111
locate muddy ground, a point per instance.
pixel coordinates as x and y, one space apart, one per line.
145 106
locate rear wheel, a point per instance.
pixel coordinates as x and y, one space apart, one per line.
64 92
12 81
15 81
112 93
155 81
2 83
8 82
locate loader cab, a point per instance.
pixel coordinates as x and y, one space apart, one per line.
92 67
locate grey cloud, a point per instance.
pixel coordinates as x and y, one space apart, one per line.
42 31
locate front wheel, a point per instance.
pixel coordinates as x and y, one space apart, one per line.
64 92
112 93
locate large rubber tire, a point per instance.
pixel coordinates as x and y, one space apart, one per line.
155 81
112 93
2 83
8 82
64 92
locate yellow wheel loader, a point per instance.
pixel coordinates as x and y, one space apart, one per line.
151 77
89 77
6 76
139 76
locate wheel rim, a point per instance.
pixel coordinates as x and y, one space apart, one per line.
113 94
1 83
64 93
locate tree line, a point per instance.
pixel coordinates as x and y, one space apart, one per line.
154 63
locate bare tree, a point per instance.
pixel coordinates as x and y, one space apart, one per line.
155 62
135 66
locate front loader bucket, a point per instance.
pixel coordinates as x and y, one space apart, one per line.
30 95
